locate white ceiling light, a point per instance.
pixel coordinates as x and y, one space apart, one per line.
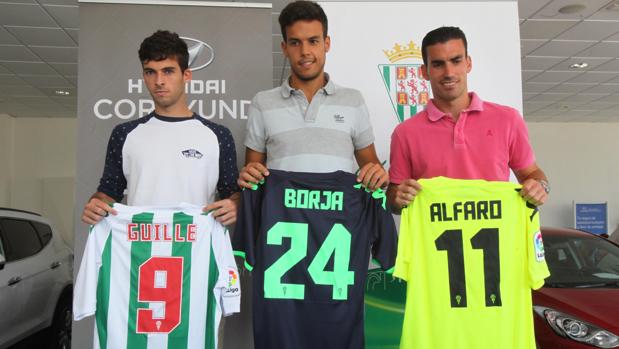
571 9
62 92
580 65
613 6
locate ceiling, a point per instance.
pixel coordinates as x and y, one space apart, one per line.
551 42
38 56
38 59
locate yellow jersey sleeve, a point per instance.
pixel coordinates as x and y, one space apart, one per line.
403 259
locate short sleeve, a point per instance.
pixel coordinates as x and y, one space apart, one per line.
228 286
399 158
248 226
404 256
385 236
537 268
85 294
520 152
113 182
255 138
363 135
228 172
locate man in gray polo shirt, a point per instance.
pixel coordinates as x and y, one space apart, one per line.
309 124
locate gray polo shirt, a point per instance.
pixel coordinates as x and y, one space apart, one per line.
320 136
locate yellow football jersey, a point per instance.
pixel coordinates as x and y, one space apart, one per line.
471 251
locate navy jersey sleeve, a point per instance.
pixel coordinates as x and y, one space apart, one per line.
248 226
113 181
385 237
228 172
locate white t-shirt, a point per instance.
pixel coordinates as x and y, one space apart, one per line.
162 160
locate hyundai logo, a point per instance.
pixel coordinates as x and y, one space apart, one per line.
201 54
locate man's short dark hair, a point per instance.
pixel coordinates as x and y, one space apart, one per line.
440 36
162 45
302 11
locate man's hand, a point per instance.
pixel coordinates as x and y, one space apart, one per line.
251 174
224 211
533 191
373 176
371 172
96 209
401 195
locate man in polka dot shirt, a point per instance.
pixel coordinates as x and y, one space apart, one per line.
171 155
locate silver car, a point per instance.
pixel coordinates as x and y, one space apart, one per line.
36 279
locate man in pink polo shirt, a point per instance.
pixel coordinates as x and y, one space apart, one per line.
459 135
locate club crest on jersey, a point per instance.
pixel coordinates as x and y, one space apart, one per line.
407 89
233 283
192 153
539 247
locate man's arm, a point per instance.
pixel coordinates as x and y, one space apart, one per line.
254 170
531 179
225 210
401 195
371 173
113 182
98 206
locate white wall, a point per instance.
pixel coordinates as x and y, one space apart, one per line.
6 151
581 161
43 168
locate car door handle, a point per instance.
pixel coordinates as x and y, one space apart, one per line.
55 265
14 280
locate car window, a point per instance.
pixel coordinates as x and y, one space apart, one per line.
44 231
581 261
20 238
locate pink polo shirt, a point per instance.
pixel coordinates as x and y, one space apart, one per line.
487 140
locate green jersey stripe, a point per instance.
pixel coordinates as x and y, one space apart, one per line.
103 293
140 253
387 76
401 112
211 303
178 337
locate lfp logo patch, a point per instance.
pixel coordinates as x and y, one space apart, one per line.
233 283
539 247
233 278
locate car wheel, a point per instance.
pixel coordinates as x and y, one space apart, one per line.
61 325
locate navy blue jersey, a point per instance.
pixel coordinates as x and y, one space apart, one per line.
307 239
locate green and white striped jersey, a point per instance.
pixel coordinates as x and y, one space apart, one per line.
157 278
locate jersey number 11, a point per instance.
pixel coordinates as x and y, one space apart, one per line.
486 239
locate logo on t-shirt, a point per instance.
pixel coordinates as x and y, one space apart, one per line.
192 153
539 247
233 280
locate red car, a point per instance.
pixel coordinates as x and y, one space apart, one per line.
578 307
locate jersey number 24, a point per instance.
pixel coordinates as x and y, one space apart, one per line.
337 243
